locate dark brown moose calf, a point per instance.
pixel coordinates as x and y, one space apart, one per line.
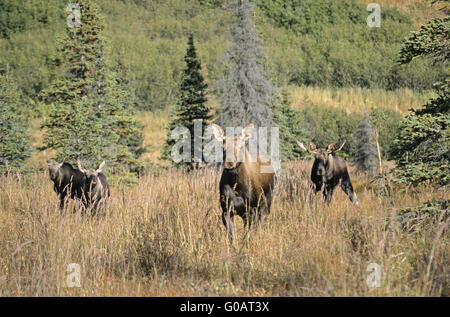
328 171
246 184
68 181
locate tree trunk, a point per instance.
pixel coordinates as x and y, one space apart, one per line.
379 153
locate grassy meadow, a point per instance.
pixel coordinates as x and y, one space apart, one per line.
359 100
165 237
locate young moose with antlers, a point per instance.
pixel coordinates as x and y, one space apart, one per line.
328 171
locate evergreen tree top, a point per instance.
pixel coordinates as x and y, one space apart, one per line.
246 94
80 57
91 112
191 102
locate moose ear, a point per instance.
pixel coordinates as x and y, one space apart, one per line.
100 167
302 146
247 132
49 162
62 162
217 132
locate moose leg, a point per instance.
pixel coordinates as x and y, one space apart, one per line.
227 204
264 208
229 225
245 220
347 187
247 216
313 190
62 202
262 217
98 204
328 192
85 200
95 207
250 215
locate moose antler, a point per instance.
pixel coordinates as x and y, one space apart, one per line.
332 148
302 146
312 147
80 167
340 148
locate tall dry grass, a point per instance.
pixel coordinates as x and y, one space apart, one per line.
357 99
155 134
164 237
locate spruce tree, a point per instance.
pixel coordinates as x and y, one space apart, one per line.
365 155
245 92
422 148
91 115
120 111
289 122
191 103
14 141
128 128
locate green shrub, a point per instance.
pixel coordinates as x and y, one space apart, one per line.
18 16
328 43
329 125
387 123
290 124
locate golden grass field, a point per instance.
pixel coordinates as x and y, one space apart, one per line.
358 100
165 237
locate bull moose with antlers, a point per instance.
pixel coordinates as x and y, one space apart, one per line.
328 171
